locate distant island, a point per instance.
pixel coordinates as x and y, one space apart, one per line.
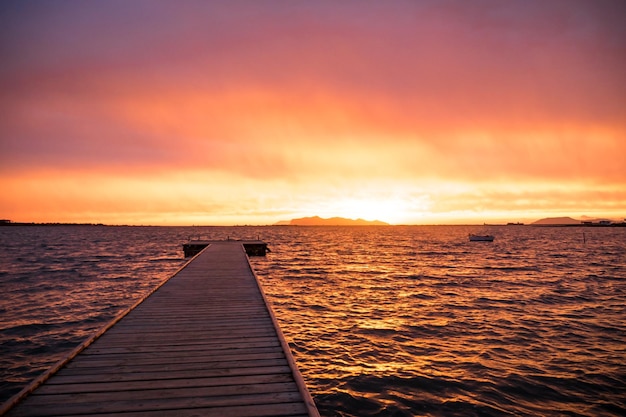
550 221
586 221
333 221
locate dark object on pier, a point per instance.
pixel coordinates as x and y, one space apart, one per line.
252 247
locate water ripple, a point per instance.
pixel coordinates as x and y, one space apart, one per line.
429 324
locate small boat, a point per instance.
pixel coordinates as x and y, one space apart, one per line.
480 238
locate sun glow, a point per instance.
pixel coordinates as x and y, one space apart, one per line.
393 210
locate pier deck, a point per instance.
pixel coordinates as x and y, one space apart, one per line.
205 343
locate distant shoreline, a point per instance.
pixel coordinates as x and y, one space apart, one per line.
53 224
333 222
7 224
580 225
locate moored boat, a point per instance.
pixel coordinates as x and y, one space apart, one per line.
480 238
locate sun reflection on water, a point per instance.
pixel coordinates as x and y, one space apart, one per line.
420 321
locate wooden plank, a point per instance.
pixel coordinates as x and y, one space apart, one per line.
170 367
159 339
295 409
214 318
170 393
229 347
170 358
191 332
158 404
206 343
191 346
169 374
156 385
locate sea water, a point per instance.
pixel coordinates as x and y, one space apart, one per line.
389 321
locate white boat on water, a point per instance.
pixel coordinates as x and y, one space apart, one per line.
480 238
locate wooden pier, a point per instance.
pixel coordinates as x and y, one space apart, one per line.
205 343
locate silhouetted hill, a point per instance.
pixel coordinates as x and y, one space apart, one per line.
556 221
333 221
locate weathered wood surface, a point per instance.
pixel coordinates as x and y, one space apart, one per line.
204 344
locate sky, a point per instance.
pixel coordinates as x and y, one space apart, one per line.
251 112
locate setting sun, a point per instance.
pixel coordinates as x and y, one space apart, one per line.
393 211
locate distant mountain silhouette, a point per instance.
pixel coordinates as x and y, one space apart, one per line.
556 221
333 221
